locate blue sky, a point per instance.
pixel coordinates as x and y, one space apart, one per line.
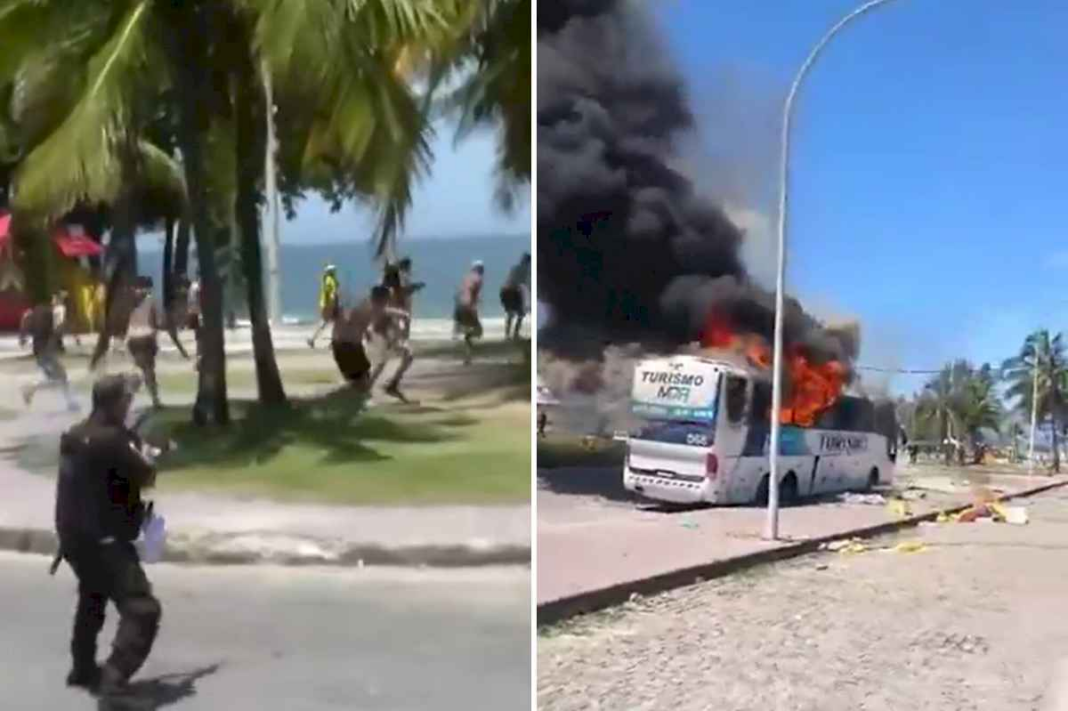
456 200
930 161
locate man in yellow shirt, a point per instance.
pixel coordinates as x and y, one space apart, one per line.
329 301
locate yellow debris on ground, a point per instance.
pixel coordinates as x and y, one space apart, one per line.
854 546
898 508
910 547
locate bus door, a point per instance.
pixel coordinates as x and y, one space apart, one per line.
738 442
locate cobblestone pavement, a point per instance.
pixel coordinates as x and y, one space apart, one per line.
974 622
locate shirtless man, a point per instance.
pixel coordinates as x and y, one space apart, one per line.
394 340
141 340
465 316
352 336
44 323
514 294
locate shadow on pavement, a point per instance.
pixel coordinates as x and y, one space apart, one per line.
155 693
604 482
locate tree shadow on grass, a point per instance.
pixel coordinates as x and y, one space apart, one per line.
509 382
337 424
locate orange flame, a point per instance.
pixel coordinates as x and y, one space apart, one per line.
813 387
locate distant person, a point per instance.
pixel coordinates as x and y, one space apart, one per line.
39 324
120 299
196 318
99 513
352 335
60 309
390 336
194 307
398 279
329 301
514 296
100 301
141 340
465 316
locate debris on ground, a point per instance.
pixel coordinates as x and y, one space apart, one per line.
910 547
869 499
845 545
1014 515
690 525
898 508
992 512
913 494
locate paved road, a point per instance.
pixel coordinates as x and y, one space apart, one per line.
975 622
304 639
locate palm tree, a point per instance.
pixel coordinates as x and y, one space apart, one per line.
1040 367
498 93
962 400
939 403
488 49
978 405
335 61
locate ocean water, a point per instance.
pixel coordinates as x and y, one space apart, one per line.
441 263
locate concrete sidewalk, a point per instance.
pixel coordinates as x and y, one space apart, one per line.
203 529
588 547
216 528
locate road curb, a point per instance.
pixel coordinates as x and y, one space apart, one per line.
29 540
583 603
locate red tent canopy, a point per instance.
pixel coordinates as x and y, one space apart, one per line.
70 244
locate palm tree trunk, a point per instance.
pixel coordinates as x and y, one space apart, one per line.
190 60
946 452
1056 445
168 270
119 254
35 260
251 144
181 247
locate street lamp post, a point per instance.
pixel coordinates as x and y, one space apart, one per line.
772 530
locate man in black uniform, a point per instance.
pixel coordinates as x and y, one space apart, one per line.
99 513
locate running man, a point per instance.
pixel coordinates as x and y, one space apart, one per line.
141 341
514 294
329 301
43 323
390 330
465 316
352 336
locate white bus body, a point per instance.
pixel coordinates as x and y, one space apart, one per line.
705 437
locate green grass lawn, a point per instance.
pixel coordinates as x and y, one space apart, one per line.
330 450
245 378
559 450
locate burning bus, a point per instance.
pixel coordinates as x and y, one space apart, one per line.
705 426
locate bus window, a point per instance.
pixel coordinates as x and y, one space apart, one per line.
736 395
760 412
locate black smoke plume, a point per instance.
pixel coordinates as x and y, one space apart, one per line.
627 251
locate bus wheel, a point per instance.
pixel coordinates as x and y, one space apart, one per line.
788 490
873 479
761 498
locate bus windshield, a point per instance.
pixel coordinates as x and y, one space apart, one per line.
687 432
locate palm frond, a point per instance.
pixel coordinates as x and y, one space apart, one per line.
496 92
341 63
84 157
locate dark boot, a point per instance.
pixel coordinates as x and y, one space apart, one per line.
87 678
112 682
